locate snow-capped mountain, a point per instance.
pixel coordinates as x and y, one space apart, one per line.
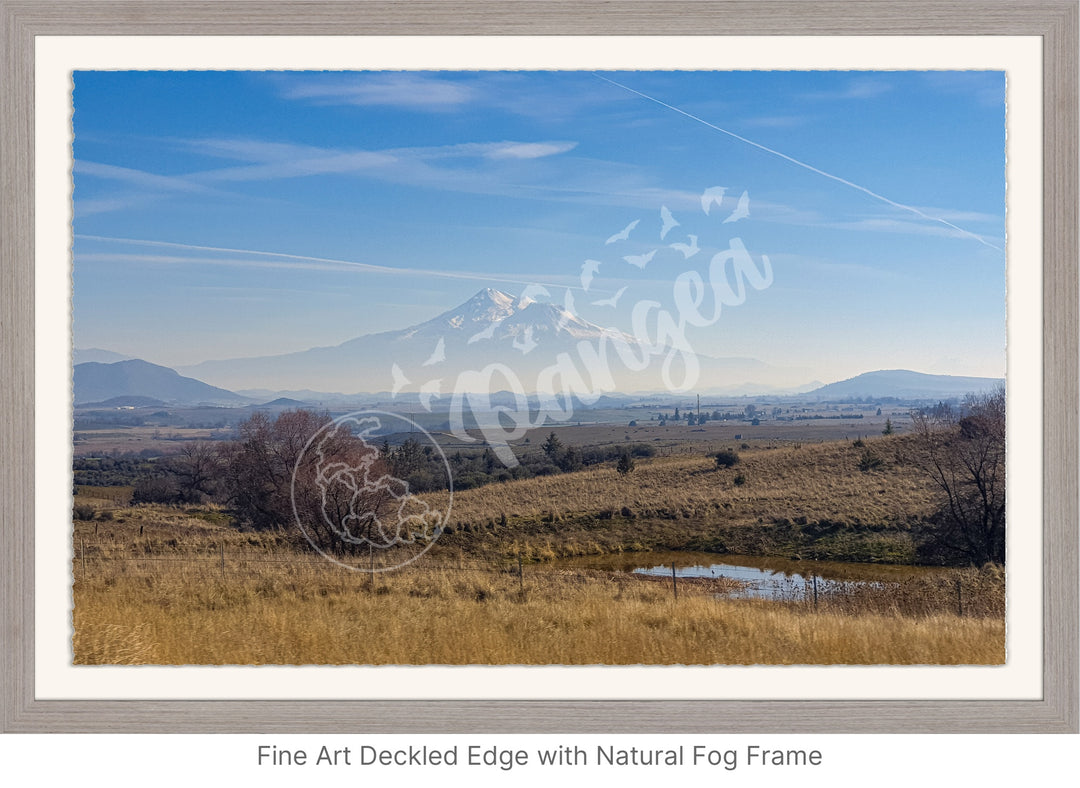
496 315
523 335
486 307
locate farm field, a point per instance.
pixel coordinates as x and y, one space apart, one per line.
123 440
160 432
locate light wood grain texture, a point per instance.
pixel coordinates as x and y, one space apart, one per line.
1054 20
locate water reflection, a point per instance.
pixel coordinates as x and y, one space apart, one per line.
758 577
755 583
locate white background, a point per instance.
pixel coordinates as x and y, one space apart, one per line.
169 760
847 761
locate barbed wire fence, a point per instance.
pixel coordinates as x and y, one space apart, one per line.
970 595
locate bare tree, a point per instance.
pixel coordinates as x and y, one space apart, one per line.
258 466
302 473
345 496
963 451
195 469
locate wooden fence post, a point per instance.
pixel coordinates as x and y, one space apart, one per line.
815 591
959 599
674 582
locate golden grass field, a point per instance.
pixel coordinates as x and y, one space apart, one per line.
306 617
684 502
818 481
149 586
153 611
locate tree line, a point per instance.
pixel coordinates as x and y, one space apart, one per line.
960 448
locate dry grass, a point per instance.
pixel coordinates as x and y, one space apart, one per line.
818 481
685 502
152 591
105 496
168 608
446 619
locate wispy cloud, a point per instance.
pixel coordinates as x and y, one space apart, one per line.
141 189
255 258
832 268
987 88
528 150
907 227
140 178
402 90
246 148
85 208
326 163
236 262
401 165
547 101
780 213
263 152
956 215
262 160
857 89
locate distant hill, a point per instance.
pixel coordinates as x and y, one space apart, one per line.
97 382
89 354
284 403
124 402
904 384
303 395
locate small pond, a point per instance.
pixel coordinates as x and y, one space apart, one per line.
759 578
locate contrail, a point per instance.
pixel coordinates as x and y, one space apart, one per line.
803 164
373 268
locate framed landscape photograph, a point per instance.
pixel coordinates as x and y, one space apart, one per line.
437 376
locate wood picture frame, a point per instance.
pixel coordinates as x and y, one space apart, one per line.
1055 21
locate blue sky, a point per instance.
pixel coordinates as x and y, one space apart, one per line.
227 214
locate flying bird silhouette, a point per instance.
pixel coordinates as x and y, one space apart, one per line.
526 342
623 234
531 292
487 333
588 271
668 221
428 392
714 194
688 250
610 301
640 260
742 210
438 355
400 381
